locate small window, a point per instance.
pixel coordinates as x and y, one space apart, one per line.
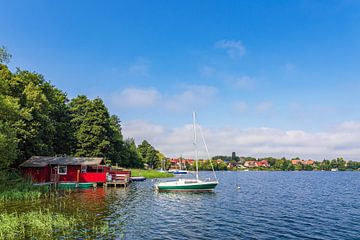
83 169
62 170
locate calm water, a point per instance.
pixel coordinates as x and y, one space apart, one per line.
268 205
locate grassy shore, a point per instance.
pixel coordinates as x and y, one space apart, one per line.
43 224
150 173
14 187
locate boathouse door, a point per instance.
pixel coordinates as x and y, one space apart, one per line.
54 174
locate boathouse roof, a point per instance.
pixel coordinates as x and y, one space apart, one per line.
77 161
41 161
37 161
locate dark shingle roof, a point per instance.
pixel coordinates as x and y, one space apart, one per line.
37 161
40 161
76 161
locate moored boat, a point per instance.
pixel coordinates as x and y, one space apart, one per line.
137 179
180 172
67 185
193 185
86 185
187 185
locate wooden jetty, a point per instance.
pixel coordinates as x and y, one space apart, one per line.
118 180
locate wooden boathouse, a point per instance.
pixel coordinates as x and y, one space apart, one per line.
65 169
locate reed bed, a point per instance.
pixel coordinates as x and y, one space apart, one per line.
45 224
15 187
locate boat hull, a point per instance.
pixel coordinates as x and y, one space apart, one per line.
85 185
66 185
180 172
196 187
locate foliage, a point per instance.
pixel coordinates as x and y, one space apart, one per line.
5 56
227 158
42 224
205 165
149 154
14 187
150 173
35 111
130 155
90 123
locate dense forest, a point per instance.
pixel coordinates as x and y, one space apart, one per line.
36 118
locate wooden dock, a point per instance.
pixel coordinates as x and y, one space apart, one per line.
118 180
116 184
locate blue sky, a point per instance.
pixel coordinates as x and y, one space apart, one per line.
242 65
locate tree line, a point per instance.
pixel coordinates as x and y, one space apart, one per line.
36 118
284 164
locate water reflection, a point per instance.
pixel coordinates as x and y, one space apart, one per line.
278 204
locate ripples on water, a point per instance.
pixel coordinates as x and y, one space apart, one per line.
268 205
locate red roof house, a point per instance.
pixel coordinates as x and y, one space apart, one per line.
65 169
262 163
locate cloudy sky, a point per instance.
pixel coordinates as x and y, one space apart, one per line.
267 78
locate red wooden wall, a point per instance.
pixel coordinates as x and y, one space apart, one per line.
37 174
71 175
99 177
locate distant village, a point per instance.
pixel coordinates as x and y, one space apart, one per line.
235 163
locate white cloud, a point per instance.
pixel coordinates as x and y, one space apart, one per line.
134 98
264 107
233 48
343 140
140 130
193 97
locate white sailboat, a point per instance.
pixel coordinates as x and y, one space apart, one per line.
192 184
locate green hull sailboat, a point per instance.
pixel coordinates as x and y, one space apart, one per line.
185 185
192 185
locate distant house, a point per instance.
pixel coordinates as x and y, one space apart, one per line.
262 163
295 161
180 163
307 162
250 164
218 161
310 162
66 169
231 165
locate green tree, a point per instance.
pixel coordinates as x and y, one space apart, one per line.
131 156
4 55
90 122
33 106
149 154
116 152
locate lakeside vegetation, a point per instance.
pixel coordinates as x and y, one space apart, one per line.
38 119
282 164
150 173
44 224
14 187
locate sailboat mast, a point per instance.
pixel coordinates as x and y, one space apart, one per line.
196 152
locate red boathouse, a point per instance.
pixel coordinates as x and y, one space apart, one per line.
68 169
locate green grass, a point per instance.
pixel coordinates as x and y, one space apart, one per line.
150 173
41 224
14 187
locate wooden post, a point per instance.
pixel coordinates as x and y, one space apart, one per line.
78 176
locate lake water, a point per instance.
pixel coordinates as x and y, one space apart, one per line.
268 205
